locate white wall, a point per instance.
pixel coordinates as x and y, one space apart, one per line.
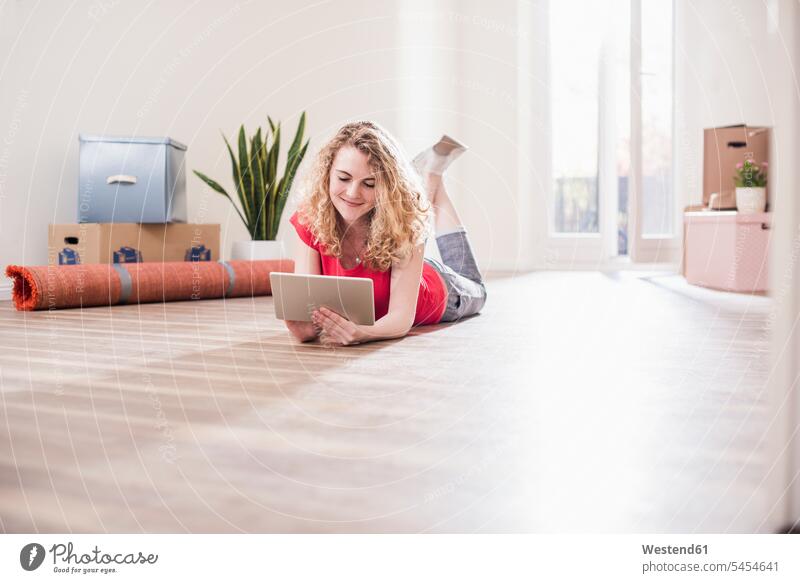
723 69
737 61
783 390
189 70
496 191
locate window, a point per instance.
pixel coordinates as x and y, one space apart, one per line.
575 43
591 107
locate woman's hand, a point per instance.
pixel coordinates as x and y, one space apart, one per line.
337 330
303 331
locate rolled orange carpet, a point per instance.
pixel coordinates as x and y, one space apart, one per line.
73 286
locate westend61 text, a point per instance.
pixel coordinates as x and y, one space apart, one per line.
64 552
671 550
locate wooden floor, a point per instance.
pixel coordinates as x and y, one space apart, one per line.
581 402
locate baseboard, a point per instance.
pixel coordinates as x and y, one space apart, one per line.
587 266
5 291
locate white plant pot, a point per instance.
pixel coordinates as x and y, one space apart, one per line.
751 199
258 250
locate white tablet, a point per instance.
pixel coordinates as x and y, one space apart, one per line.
298 295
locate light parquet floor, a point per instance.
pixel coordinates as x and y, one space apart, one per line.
581 402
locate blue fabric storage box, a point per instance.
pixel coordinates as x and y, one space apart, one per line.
131 180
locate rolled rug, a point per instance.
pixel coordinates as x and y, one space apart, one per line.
49 287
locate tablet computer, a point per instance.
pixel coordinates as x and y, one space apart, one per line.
298 295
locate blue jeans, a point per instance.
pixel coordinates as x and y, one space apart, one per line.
466 292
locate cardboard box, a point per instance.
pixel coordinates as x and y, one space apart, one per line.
132 243
725 147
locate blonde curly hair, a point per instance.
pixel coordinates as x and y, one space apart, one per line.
399 220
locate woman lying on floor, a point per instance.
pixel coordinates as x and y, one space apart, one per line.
366 215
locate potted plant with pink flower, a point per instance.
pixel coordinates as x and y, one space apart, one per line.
751 187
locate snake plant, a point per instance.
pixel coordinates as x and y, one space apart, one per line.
261 191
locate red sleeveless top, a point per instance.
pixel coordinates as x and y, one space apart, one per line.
432 298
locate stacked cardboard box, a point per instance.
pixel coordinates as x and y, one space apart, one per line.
132 243
723 249
131 206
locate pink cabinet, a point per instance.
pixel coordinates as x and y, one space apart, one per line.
726 250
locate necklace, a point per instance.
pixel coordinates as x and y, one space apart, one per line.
357 255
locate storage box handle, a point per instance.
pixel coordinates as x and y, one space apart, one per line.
765 227
121 179
737 144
